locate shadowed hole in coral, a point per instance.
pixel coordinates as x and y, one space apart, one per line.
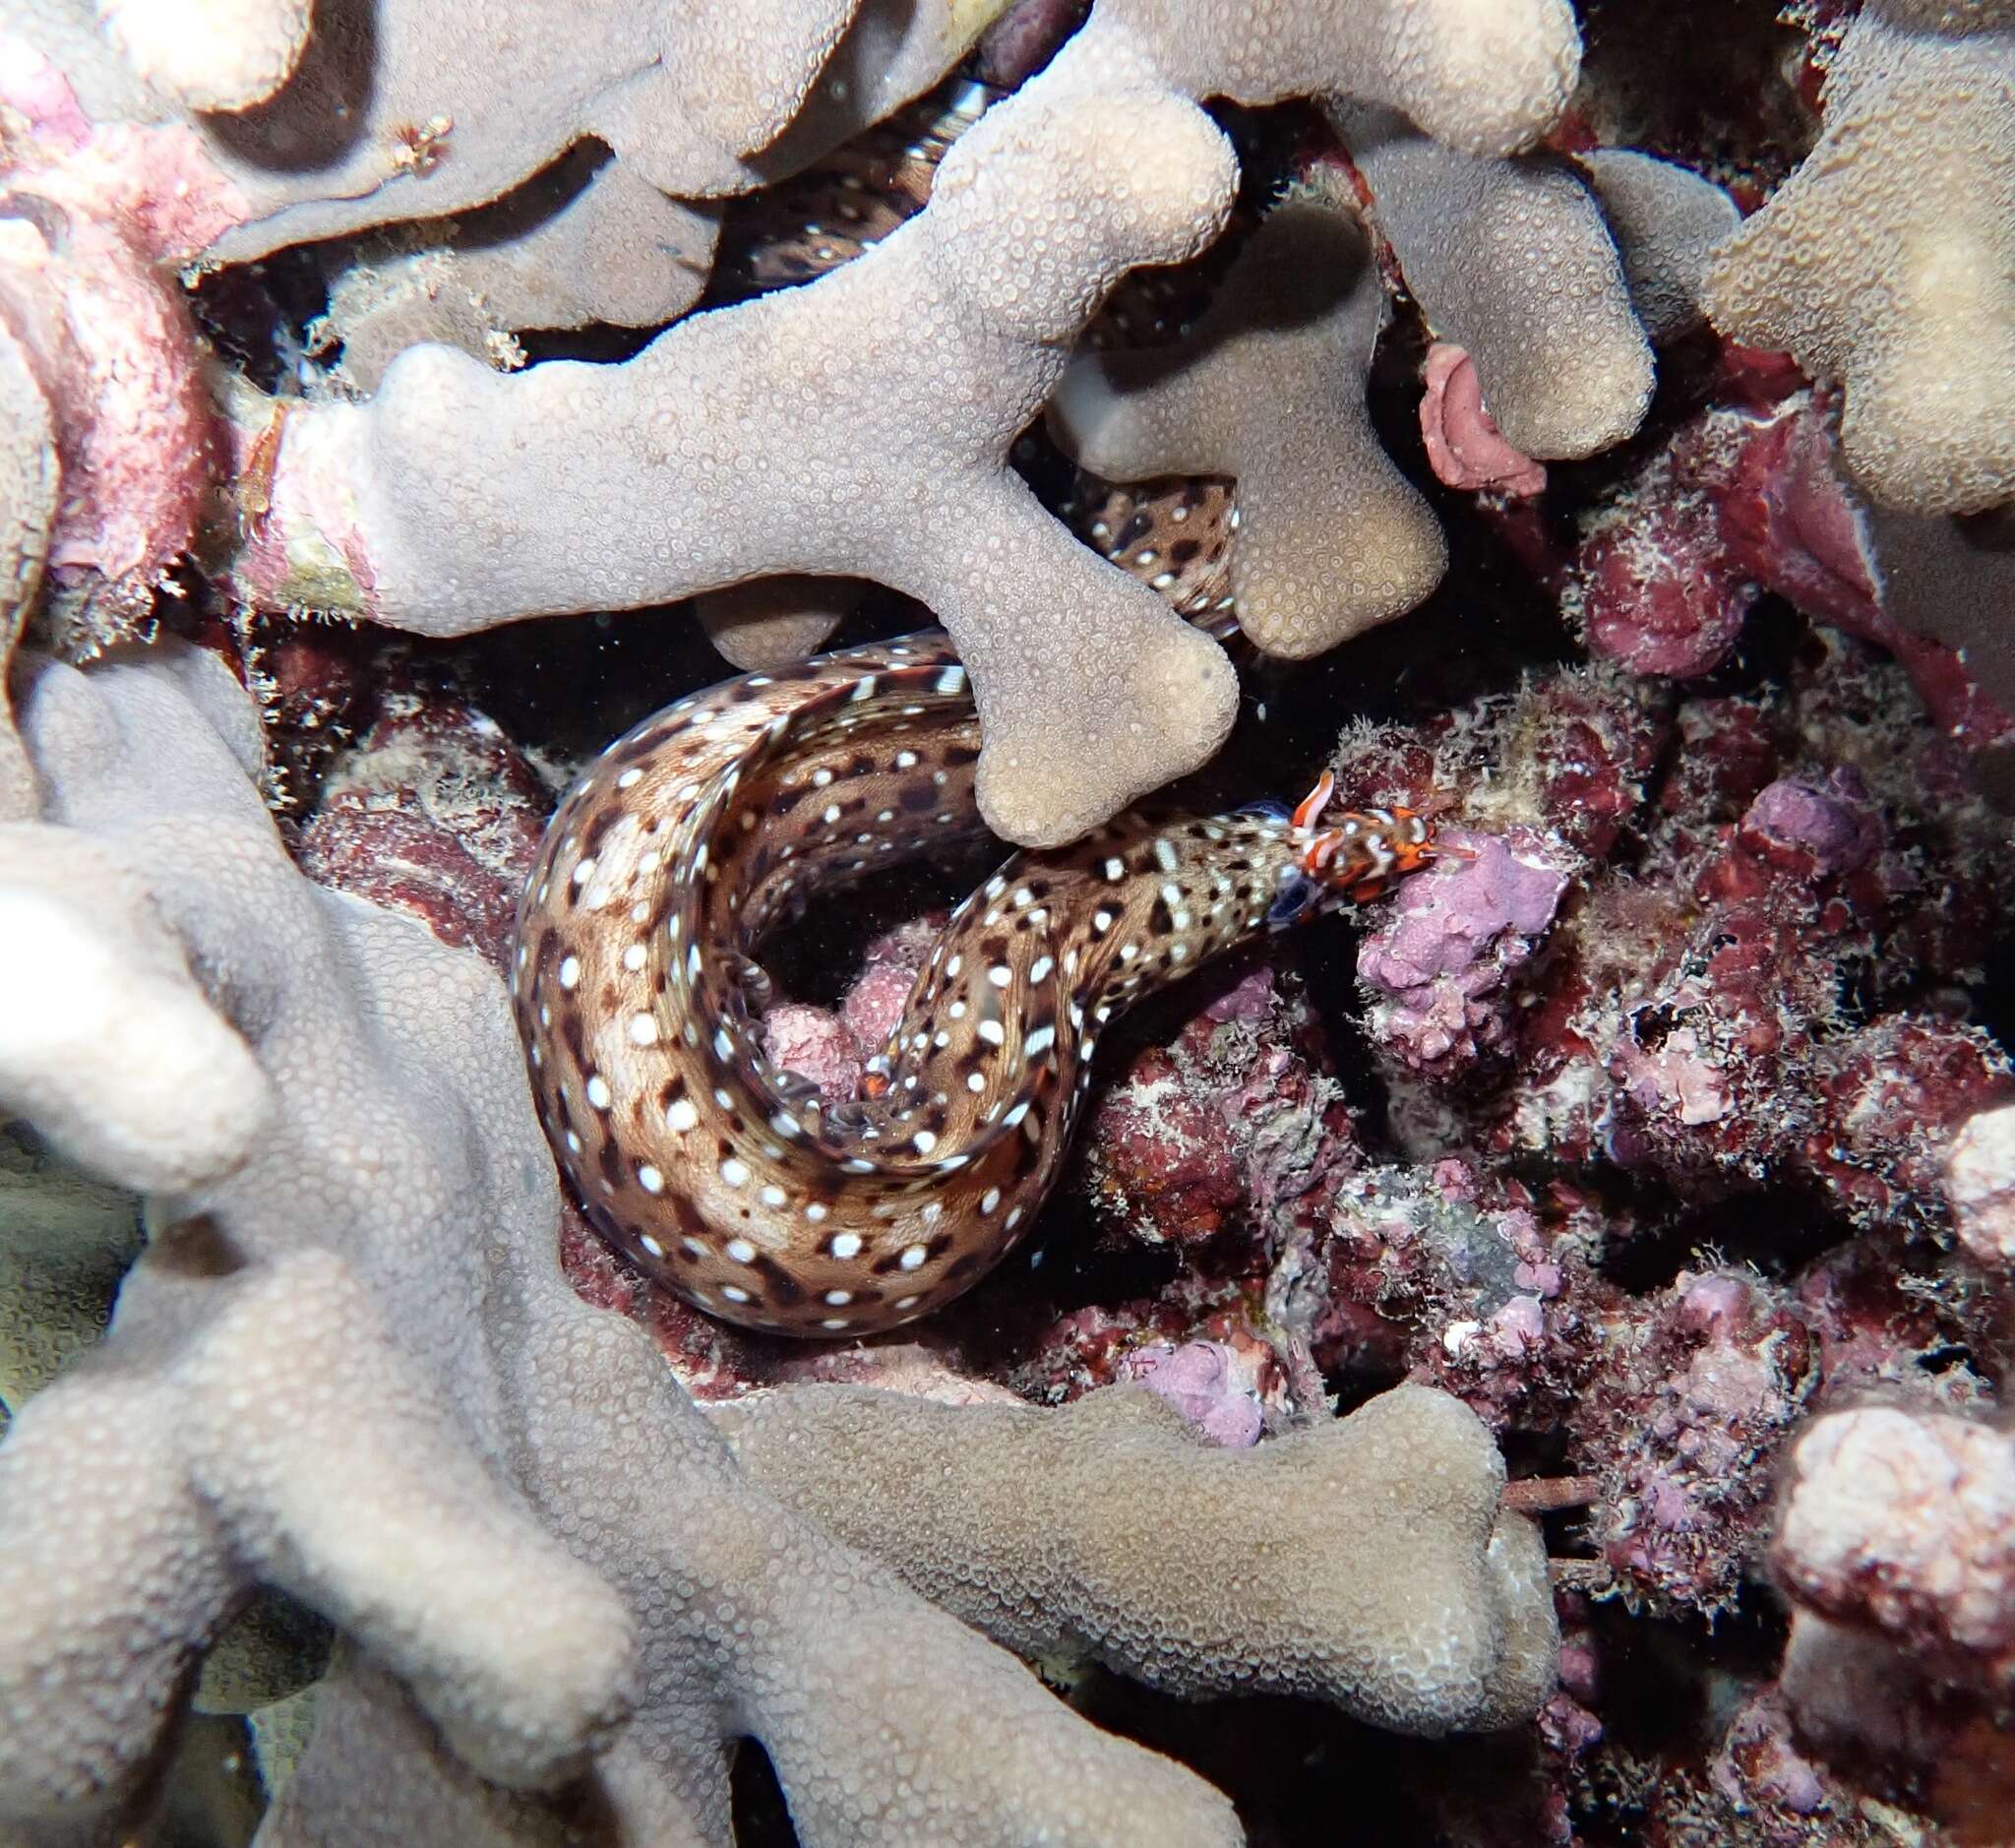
1664 81
1945 1358
598 345
322 110
760 1816
1064 1270
257 314
1995 995
1301 1774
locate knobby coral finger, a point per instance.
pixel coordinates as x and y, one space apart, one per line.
1512 260
412 508
1291 327
539 1558
1393 1584
1883 262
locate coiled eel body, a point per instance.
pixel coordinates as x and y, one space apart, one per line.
693 835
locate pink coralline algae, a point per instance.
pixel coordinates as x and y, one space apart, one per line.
1834 821
1697 1022
1722 1369
1223 1132
1744 498
1201 1379
432 812
1657 587
1465 448
1452 942
831 1049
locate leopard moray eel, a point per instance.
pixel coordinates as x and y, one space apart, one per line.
729 1180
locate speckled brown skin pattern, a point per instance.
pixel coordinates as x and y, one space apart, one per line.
730 1181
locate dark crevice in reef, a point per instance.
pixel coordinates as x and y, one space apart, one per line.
1778 1230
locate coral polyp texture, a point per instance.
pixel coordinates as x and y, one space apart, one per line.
411 508
1299 315
1457 1633
1885 263
1518 1359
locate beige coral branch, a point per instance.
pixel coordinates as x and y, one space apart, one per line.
1487 76
1514 262
1366 1562
1887 260
107 1043
211 54
1270 388
860 426
771 622
1667 222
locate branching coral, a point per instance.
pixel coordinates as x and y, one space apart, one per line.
1512 260
425 509
211 54
616 251
1393 1584
1294 323
1644 1133
388 1241
1488 79
1667 220
1885 261
412 509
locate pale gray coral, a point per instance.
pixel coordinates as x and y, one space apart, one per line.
859 426
1269 388
351 1367
1885 261
616 251
1512 260
760 441
1667 222
1367 1561
1487 76
1900 1521
65 1242
28 480
90 970
409 110
770 622
1979 1187
210 54
681 95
